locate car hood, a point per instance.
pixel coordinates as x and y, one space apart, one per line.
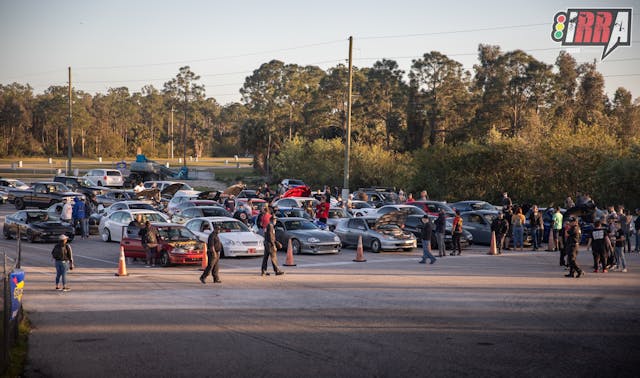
394 217
186 244
319 234
51 225
246 236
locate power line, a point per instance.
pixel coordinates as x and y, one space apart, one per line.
454 31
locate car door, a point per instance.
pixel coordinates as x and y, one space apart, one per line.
356 227
478 227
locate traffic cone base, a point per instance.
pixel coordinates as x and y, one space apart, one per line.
205 259
359 251
492 249
122 264
289 261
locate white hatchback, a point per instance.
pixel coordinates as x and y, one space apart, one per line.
105 177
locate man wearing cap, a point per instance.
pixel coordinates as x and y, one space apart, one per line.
63 257
572 235
425 235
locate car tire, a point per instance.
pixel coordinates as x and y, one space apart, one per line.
106 235
164 259
375 246
295 246
19 203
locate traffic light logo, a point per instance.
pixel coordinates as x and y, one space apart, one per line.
593 27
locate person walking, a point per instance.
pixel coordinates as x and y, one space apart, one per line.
425 235
517 222
67 211
214 246
620 242
441 225
63 256
573 235
322 209
556 226
537 227
149 237
636 225
500 227
625 224
271 246
79 215
456 233
598 248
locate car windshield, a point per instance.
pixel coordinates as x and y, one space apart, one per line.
300 225
293 212
57 187
214 212
412 210
231 226
481 206
175 233
141 206
337 213
85 182
153 217
295 182
40 216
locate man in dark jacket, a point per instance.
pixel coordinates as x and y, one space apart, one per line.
537 226
425 235
573 235
500 227
214 246
271 248
63 256
441 225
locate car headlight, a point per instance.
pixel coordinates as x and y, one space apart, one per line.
336 239
313 240
179 250
231 242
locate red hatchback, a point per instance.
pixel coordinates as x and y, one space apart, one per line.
176 245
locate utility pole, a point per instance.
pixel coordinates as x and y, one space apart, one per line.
69 128
184 129
171 132
345 185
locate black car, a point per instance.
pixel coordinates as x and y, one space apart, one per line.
36 225
81 185
112 196
413 224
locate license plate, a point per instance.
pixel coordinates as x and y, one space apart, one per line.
251 250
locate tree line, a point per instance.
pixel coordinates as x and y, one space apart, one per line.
436 106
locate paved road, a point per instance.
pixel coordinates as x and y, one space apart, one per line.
473 315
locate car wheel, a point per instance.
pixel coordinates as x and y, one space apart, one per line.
375 246
164 259
295 246
19 203
106 235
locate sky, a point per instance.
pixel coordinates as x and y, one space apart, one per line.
133 43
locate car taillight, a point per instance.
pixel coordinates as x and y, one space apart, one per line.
105 178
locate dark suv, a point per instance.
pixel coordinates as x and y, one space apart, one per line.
80 185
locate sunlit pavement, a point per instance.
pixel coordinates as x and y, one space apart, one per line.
470 315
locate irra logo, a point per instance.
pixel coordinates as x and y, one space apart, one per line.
593 27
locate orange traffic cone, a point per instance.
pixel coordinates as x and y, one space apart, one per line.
205 259
492 249
289 261
552 242
122 265
360 251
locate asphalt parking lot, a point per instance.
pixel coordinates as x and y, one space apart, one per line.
469 315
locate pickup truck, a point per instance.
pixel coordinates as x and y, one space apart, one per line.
41 195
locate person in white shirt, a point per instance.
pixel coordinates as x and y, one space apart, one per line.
67 211
138 188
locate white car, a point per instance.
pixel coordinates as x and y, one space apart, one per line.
235 236
177 200
408 209
105 177
362 209
185 189
8 184
296 202
111 226
128 205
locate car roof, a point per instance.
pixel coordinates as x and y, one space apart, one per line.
215 219
483 212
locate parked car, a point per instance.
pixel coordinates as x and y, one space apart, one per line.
94 219
171 188
81 185
305 236
296 202
42 195
361 208
292 183
378 234
111 226
247 193
471 205
433 207
110 197
8 184
200 211
335 215
176 245
478 223
235 236
177 200
376 196
408 209
193 203
128 205
413 224
105 177
36 225
256 205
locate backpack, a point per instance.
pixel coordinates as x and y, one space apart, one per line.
57 252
